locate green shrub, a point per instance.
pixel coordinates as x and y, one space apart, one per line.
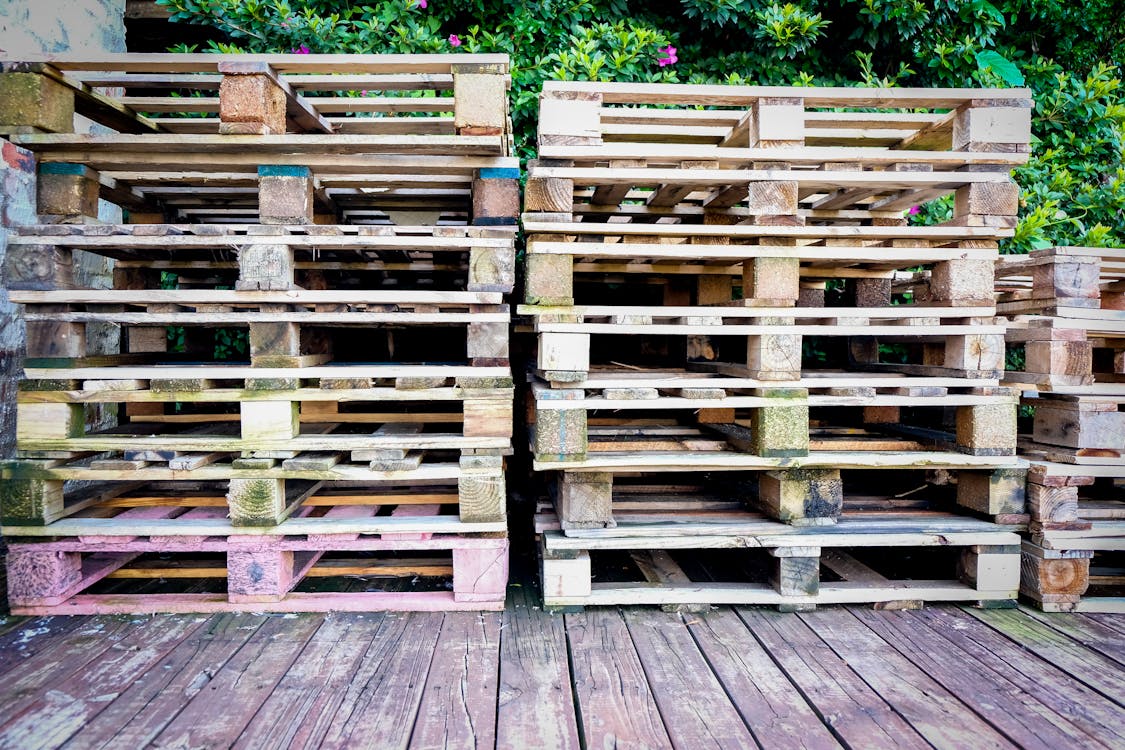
1067 53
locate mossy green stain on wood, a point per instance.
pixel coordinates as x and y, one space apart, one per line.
780 430
256 502
26 501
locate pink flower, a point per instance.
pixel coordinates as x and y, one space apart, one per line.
302 50
422 4
671 59
913 211
454 40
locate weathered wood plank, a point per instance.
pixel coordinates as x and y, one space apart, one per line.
536 701
931 710
381 701
1022 716
1099 672
697 712
214 717
61 711
615 702
313 685
154 698
1095 714
458 707
1091 633
852 709
772 706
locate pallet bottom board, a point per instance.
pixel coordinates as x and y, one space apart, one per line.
844 592
143 604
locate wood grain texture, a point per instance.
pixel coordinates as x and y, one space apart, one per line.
613 696
854 710
535 702
772 706
692 703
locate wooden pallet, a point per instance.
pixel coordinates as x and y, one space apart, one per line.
1077 520
767 419
766 342
617 137
250 492
329 572
1067 310
807 490
399 145
337 256
797 568
565 255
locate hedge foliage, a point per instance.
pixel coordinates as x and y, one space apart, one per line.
1068 53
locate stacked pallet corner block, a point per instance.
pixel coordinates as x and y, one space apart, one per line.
1066 307
312 392
757 380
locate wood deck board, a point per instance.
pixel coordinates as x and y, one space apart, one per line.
222 711
773 708
458 707
696 711
156 697
1070 699
535 702
310 690
1099 672
606 677
614 701
1012 710
382 699
931 710
69 704
854 712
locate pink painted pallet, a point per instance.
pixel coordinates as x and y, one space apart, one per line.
259 573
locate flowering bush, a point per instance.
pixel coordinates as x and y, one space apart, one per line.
1073 187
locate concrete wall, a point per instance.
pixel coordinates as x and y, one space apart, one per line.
37 27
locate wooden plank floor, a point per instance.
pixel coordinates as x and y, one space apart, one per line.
943 677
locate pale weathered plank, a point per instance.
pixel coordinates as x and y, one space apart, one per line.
154 698
1019 714
458 707
382 699
213 717
69 704
772 706
314 684
535 702
1023 665
615 702
697 712
1099 672
850 707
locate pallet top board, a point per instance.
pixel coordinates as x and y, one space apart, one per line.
938 233
133 88
85 148
667 155
168 63
825 97
244 371
255 297
726 460
880 530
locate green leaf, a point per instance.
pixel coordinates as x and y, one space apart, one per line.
1001 66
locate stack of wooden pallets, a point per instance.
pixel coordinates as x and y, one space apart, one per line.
743 343
312 390
1067 313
